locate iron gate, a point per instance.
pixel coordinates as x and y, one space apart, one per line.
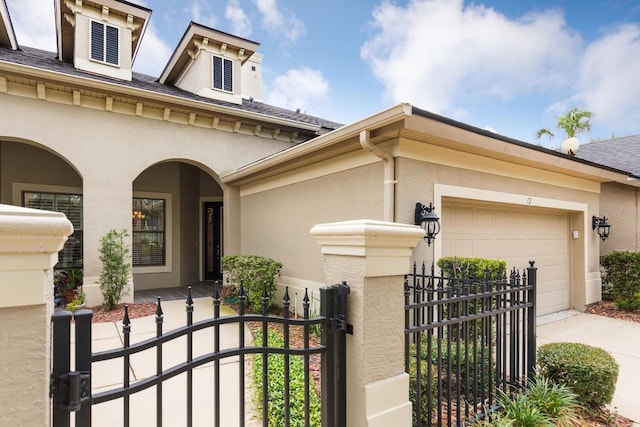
466 339
72 394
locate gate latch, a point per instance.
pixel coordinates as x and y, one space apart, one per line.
339 322
72 389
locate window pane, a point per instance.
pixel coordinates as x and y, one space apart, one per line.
148 225
71 206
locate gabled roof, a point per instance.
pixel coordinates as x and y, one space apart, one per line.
620 153
64 29
30 60
7 35
197 34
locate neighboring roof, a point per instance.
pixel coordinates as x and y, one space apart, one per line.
43 60
7 35
65 31
620 153
197 33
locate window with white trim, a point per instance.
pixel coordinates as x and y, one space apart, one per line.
105 46
71 206
222 74
148 225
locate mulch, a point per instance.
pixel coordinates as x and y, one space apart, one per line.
608 309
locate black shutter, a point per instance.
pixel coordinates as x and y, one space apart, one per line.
97 41
112 45
217 72
228 75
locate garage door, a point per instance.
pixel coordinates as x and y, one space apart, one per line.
516 235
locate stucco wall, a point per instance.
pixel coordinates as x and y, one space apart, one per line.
621 205
109 150
276 223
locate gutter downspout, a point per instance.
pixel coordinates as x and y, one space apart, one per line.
389 173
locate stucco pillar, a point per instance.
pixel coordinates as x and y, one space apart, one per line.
372 257
106 206
29 243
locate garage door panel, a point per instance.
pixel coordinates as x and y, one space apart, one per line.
516 236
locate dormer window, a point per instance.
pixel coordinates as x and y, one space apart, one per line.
222 74
105 43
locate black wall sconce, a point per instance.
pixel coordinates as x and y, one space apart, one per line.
426 218
604 229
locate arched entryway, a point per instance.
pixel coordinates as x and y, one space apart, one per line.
176 228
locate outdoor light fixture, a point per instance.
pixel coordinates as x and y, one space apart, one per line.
426 218
604 229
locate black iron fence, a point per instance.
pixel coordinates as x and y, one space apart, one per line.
466 338
73 396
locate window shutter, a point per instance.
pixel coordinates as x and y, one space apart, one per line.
112 45
217 72
228 75
97 41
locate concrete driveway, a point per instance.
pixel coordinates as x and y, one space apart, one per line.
621 338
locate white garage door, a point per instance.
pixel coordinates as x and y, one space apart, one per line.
516 235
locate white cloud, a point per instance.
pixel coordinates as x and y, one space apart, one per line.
302 88
441 54
34 23
280 22
608 79
240 22
153 53
195 10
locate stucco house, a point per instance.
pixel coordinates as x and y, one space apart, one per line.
195 166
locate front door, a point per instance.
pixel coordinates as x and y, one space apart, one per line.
212 240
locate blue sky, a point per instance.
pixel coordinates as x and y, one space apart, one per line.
504 65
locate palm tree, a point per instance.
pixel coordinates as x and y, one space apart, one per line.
573 122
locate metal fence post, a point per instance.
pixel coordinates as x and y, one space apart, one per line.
531 318
327 369
83 364
61 366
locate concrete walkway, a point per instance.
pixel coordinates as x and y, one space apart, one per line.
621 338
108 375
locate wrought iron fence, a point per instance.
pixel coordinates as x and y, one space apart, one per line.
466 338
71 390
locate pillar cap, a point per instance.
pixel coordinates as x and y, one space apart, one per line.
387 246
24 230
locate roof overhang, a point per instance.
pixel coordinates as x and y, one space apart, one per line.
7 35
137 15
195 35
406 121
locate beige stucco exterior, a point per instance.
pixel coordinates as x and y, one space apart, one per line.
621 204
62 140
432 162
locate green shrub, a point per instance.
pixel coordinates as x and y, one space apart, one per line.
523 411
424 386
114 277
631 304
622 276
472 267
588 371
275 391
254 272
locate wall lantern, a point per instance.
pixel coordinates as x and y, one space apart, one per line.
604 229
426 218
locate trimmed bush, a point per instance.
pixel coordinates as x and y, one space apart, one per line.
472 267
588 371
114 277
254 272
275 387
621 278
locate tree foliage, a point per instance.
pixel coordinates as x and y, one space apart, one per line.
114 277
573 122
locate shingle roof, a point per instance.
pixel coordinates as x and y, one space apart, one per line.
41 59
620 153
